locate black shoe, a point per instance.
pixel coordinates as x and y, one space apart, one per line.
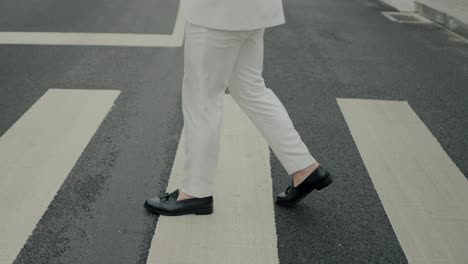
167 204
318 179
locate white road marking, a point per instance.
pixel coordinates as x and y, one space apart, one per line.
401 5
38 152
423 192
98 39
418 18
242 227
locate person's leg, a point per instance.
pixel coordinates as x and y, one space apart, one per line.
209 59
265 110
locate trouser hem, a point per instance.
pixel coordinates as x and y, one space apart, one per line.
195 193
300 165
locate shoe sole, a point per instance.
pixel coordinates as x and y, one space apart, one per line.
318 186
198 211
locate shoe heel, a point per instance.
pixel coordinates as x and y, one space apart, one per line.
204 211
324 183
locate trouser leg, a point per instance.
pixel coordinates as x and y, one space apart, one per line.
263 107
209 59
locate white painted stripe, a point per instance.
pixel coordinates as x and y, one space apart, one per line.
401 5
98 39
419 19
242 227
38 152
423 192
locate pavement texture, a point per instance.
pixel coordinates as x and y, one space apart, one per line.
326 50
337 55
138 16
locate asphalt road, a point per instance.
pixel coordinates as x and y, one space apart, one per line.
326 50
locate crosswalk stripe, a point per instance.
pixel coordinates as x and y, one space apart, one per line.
242 227
423 192
38 152
98 39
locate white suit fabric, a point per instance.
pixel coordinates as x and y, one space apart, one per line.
233 14
216 59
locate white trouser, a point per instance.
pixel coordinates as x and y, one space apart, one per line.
216 59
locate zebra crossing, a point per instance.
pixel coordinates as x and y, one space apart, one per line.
76 164
242 228
422 190
38 152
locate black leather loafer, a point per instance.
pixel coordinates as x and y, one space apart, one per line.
167 204
318 179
